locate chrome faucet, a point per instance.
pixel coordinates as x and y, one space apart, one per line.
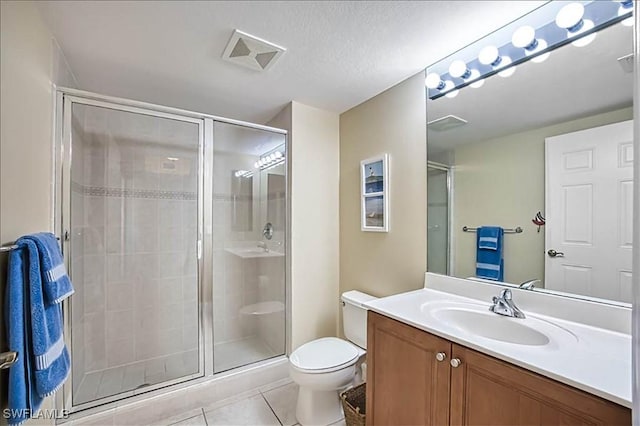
529 284
504 305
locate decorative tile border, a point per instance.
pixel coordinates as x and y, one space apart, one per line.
158 194
98 191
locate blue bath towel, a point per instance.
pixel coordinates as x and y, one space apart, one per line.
23 398
34 330
489 253
57 285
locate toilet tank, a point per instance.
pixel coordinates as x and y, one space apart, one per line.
354 316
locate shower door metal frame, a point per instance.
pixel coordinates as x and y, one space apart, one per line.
63 228
62 167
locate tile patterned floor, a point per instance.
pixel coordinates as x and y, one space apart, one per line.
269 407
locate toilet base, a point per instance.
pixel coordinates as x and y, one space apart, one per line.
318 407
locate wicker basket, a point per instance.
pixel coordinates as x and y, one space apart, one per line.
353 404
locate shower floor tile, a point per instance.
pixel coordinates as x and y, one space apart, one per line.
112 381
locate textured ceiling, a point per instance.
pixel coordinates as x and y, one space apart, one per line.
339 53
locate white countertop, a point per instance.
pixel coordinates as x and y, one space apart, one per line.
595 360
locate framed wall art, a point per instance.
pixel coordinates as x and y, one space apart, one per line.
374 193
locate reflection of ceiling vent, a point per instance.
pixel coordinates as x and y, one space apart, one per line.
626 62
448 122
251 52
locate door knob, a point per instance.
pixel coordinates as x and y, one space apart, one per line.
440 356
455 363
553 253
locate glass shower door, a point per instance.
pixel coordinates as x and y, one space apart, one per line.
134 180
438 218
249 224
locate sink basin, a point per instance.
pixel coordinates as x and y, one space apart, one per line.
492 326
252 252
477 320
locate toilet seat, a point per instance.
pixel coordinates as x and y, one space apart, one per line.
324 355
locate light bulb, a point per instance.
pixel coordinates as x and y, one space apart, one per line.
489 56
506 61
570 17
458 69
256 164
433 81
542 44
476 84
272 157
278 154
452 94
623 10
525 38
448 85
581 42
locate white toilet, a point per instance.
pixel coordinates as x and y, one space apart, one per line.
325 366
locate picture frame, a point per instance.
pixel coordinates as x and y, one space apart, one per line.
374 194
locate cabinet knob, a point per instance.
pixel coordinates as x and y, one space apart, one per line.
455 362
440 356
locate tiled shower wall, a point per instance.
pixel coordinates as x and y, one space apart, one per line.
135 225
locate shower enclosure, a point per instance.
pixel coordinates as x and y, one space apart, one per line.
438 217
174 227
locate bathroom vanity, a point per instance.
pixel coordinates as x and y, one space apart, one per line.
417 378
436 358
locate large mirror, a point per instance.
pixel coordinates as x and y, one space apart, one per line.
543 152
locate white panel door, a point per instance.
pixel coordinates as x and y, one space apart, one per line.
589 189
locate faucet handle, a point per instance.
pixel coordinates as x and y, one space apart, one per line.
506 294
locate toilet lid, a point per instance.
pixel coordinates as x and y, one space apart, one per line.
323 353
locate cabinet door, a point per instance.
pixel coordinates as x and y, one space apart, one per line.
406 384
487 391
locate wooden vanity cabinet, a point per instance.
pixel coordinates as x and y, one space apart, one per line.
408 385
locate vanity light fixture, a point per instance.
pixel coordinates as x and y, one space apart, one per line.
243 173
532 37
269 161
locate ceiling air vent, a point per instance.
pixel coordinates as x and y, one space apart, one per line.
445 123
251 52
